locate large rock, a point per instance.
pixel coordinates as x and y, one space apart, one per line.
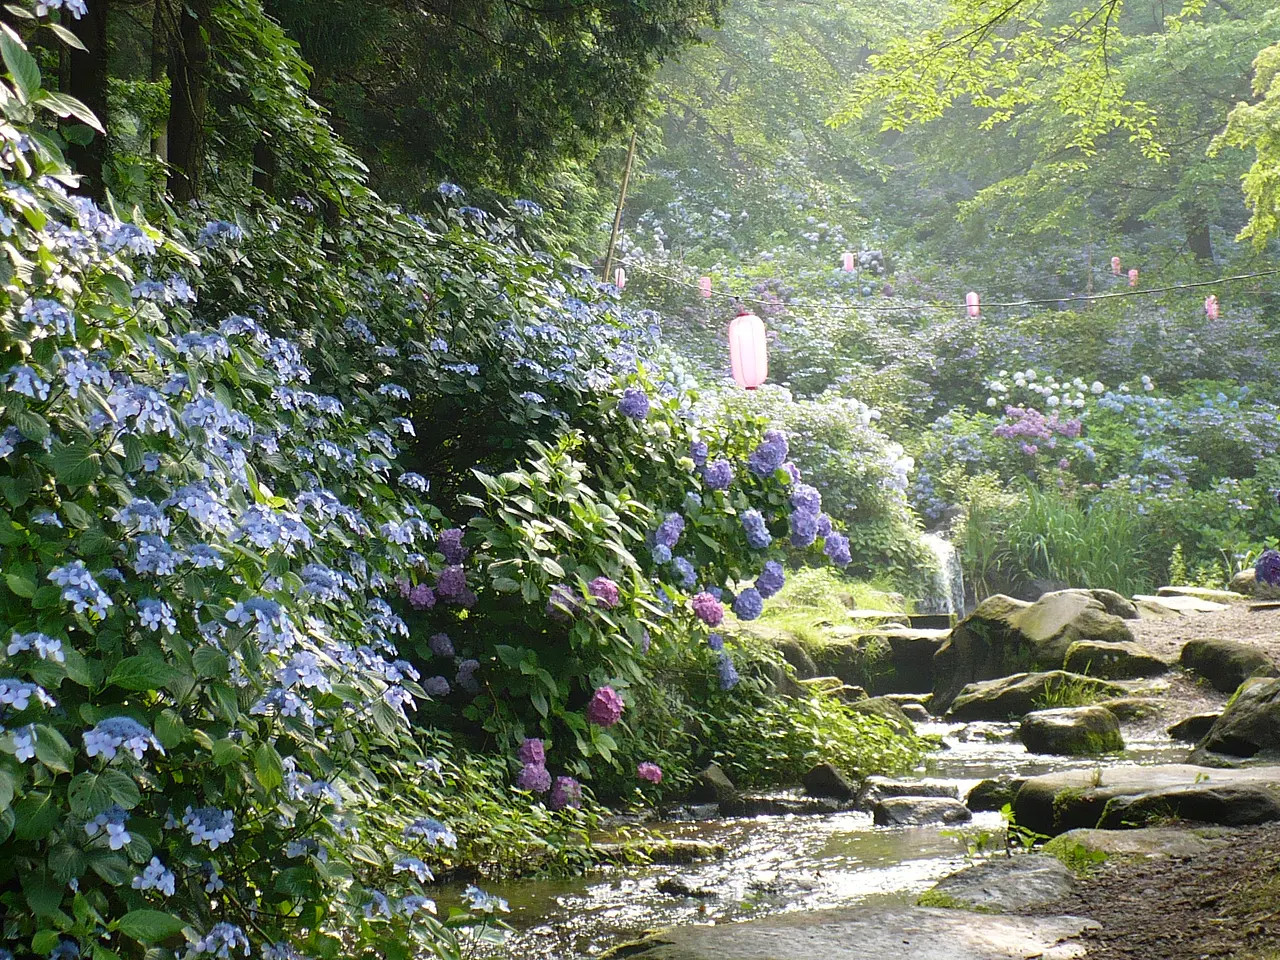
868 933
1116 797
912 653
712 785
859 657
781 805
886 709
1245 582
1250 724
1071 731
881 788
1194 728
993 794
1114 603
824 780
1113 661
1177 842
795 654
1002 885
1004 636
918 811
1021 693
1226 663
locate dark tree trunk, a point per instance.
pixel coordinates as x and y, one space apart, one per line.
189 100
87 82
160 20
264 167
1198 240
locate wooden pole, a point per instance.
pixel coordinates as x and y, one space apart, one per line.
622 199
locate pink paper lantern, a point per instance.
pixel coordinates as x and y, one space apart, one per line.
848 263
620 278
1211 307
975 308
748 351
1115 266
1133 277
704 284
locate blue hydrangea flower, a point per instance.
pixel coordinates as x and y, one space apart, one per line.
749 604
221 941
728 673
209 825
685 572
806 499
718 475
669 531
804 529
484 902
155 877
18 694
836 548
41 644
661 553
416 867
107 736
433 832
715 641
769 455
111 821
48 316
771 579
634 403
758 536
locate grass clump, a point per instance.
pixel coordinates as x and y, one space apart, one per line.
1075 856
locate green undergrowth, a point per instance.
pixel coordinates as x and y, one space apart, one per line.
1075 856
1074 692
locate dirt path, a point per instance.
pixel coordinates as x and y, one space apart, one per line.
1166 636
1224 903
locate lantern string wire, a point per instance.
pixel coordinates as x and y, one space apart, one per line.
917 305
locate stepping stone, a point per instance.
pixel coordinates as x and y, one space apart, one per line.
1226 663
1002 884
1018 695
879 615
1126 796
1071 731
1144 842
1193 729
879 788
869 933
993 794
919 811
1203 593
1184 604
1113 661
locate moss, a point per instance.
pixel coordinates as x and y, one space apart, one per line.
944 901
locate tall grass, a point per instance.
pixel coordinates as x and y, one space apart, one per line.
1011 539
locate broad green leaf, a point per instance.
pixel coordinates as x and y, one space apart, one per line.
143 673
20 64
268 766
53 750
149 926
75 464
22 586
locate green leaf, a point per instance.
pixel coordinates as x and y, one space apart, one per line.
53 750
22 586
210 663
67 861
8 784
68 107
111 867
149 926
37 814
122 787
44 941
20 64
76 515
143 673
75 464
170 730
268 766
88 795
226 751
66 36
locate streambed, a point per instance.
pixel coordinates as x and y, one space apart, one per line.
779 864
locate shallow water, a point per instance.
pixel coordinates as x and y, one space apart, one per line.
779 864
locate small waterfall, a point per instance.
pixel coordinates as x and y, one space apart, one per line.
947 590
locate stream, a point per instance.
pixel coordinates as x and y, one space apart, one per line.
779 864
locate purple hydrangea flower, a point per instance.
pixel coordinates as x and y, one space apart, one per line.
708 609
718 475
804 529
749 604
452 583
769 455
634 403
436 686
698 452
1267 568
563 603
605 708
824 525
422 597
728 673
837 549
450 544
758 537
466 678
532 751
645 642
566 792
649 771
441 645
605 590
685 572
771 579
534 778
669 532
806 499
792 471
715 642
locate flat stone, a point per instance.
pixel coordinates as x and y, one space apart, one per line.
1135 708
1113 661
1193 729
1245 582
1120 796
1002 884
659 851
1155 611
1017 695
681 887
993 794
918 811
869 933
1071 731
1226 663
878 788
1145 841
916 712
781 805
1184 604
834 687
1203 593
862 614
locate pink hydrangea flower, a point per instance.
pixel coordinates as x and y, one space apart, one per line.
708 609
604 590
566 792
534 778
532 751
605 708
649 771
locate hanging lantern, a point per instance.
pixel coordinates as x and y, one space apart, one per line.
1211 307
1133 277
848 262
1115 266
620 278
748 350
975 308
704 284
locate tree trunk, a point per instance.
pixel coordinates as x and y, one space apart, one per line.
87 82
1198 240
159 71
264 167
189 100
